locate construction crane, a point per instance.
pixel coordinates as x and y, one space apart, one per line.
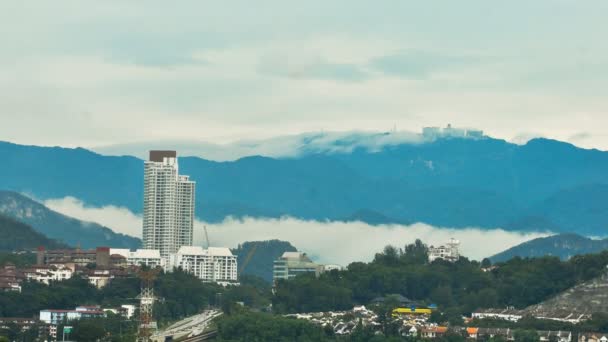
146 304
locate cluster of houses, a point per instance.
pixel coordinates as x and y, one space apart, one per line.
49 320
414 322
98 266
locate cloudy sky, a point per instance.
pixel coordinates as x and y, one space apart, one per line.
95 73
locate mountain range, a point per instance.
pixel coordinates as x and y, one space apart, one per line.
544 185
67 230
563 246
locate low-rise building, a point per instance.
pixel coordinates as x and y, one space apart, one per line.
291 264
99 256
488 333
508 314
449 252
140 257
49 273
99 277
555 336
592 337
128 310
432 332
329 268
10 278
55 317
214 264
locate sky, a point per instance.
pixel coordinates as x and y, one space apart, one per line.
99 73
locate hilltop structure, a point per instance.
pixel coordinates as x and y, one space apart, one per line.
433 133
449 252
168 204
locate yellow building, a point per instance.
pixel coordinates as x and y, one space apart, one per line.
409 311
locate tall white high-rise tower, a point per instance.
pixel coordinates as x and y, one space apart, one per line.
168 204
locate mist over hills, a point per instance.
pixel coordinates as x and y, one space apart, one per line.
542 185
68 230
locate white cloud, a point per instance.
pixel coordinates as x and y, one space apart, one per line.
282 146
119 219
328 242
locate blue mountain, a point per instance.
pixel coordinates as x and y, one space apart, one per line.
543 185
563 246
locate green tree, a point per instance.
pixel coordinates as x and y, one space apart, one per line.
525 336
87 331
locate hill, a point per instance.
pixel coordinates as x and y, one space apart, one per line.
60 227
16 236
261 260
563 246
586 298
448 182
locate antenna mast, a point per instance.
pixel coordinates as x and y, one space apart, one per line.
146 304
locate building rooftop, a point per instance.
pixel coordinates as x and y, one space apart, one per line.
198 250
192 250
219 251
137 254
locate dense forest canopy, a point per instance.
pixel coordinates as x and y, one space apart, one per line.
462 286
17 236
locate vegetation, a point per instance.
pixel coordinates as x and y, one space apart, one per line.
250 326
261 256
562 245
182 295
17 259
459 288
111 328
16 236
60 227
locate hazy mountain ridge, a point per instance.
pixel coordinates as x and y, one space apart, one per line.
17 236
60 227
563 246
449 182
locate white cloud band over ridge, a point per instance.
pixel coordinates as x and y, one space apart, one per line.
328 242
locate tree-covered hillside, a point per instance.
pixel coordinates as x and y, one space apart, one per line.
460 287
260 256
563 246
16 236
60 227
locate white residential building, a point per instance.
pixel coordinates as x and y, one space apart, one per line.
168 204
128 310
449 252
140 257
214 264
48 273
